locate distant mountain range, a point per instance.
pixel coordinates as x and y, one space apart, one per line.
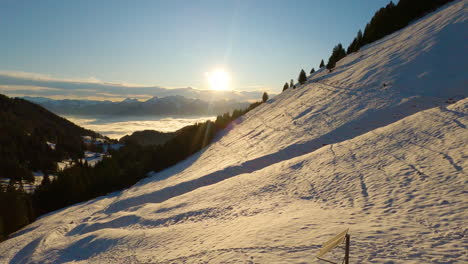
170 105
22 84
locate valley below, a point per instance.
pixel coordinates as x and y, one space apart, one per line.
116 127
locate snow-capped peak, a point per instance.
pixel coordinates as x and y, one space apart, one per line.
153 99
130 100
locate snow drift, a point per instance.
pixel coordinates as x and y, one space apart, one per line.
376 145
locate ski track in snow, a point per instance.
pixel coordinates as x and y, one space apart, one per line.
372 146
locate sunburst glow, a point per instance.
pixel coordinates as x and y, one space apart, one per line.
219 80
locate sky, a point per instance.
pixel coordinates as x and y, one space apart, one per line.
169 44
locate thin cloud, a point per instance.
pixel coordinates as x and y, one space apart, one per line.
45 77
33 84
27 88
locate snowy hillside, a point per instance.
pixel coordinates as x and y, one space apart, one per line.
375 146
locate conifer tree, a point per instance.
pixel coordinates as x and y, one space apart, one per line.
45 179
3 234
352 47
356 44
358 40
285 87
291 84
337 54
302 77
265 97
312 71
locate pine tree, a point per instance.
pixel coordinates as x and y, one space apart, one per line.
265 97
322 64
285 87
291 84
312 71
351 48
337 54
302 77
356 44
45 179
15 210
3 234
359 40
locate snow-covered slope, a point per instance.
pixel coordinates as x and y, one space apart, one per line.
373 146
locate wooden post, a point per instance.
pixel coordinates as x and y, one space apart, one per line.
347 249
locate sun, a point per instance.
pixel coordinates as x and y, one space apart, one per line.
219 80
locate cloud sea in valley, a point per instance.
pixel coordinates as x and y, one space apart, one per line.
117 127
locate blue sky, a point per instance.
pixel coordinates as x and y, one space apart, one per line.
262 44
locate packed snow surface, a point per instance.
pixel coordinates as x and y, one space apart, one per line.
377 146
